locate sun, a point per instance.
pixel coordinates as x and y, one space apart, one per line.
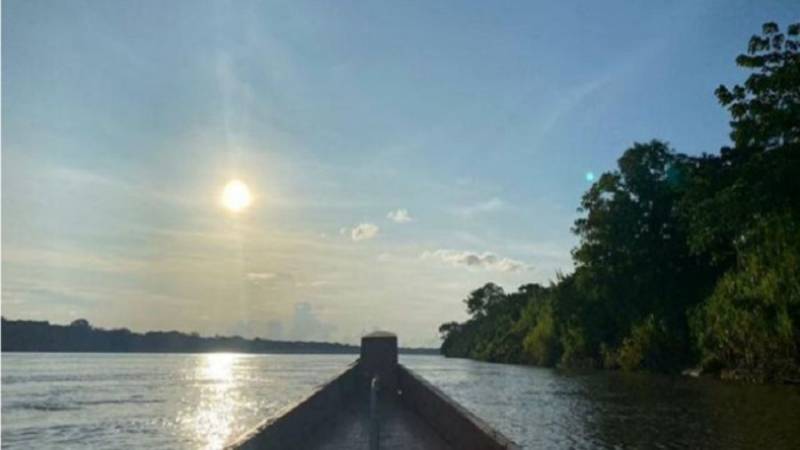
236 196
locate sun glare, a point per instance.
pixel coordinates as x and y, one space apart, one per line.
236 196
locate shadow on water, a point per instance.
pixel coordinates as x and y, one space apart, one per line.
647 411
544 408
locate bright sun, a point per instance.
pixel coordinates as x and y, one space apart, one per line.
236 196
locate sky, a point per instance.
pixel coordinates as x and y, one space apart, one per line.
400 154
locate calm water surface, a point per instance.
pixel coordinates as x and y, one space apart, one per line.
202 401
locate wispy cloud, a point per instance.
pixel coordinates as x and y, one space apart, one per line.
491 205
364 231
81 178
399 216
485 260
570 100
71 258
261 276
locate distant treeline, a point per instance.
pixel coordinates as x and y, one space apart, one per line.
683 261
80 336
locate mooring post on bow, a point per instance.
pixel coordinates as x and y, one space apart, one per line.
378 365
374 419
379 358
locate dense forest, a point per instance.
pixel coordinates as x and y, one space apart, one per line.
682 261
80 336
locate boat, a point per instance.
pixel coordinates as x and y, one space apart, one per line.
376 403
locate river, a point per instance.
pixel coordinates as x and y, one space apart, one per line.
201 401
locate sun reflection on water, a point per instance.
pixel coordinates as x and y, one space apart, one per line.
210 417
219 366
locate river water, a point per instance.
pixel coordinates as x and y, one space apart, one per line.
201 401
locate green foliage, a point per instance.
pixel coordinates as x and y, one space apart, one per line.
576 351
541 344
680 258
765 109
751 323
649 346
490 334
760 174
743 210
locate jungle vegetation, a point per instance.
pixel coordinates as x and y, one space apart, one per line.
682 261
81 336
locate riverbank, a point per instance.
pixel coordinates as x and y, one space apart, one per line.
80 336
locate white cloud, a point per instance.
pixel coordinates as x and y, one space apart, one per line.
364 231
306 324
399 216
485 260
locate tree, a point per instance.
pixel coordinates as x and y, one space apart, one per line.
446 328
483 298
744 211
766 109
760 174
80 323
633 260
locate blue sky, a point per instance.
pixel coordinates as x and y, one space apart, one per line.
122 122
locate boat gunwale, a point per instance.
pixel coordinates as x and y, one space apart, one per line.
491 432
243 439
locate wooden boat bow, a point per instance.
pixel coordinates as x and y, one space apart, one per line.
376 403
